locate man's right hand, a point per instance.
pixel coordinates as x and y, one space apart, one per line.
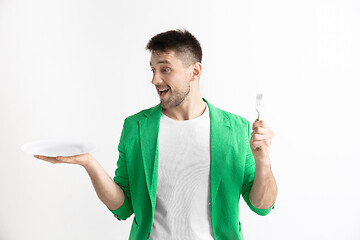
81 159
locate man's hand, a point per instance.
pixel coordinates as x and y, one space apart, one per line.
261 138
264 189
81 159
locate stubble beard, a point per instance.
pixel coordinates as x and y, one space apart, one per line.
177 97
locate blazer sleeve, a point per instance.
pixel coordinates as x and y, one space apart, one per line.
250 168
122 179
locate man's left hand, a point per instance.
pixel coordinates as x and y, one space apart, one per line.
261 138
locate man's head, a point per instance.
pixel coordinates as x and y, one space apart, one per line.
182 42
176 64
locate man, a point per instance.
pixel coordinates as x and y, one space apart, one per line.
184 163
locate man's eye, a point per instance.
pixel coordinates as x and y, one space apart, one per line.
164 70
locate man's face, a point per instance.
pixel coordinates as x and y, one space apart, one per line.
169 73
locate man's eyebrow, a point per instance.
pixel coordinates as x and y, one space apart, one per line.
163 61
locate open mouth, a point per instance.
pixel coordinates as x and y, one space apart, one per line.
163 92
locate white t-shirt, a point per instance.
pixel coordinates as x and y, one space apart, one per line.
182 208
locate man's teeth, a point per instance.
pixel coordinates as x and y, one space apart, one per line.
162 92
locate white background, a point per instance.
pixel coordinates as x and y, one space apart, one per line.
78 68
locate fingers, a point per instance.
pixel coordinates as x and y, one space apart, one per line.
255 145
258 143
259 137
53 159
47 159
259 123
66 159
263 142
260 130
76 159
260 127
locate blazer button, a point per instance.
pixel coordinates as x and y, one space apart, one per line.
148 235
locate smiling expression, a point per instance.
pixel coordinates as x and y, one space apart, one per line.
170 77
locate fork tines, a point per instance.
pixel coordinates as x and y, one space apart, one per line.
258 99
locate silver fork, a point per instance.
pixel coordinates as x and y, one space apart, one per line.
258 103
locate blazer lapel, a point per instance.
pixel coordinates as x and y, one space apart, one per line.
149 131
219 143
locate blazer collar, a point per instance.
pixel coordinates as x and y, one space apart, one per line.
219 141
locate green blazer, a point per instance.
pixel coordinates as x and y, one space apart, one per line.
232 171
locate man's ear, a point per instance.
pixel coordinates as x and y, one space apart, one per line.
195 71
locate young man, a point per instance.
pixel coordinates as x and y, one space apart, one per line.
184 163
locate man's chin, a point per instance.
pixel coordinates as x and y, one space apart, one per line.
164 105
170 103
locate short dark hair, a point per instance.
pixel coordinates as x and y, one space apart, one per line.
182 42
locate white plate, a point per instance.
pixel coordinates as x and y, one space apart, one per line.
57 147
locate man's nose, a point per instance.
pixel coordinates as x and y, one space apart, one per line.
156 80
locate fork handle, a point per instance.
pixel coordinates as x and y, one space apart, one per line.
258 120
